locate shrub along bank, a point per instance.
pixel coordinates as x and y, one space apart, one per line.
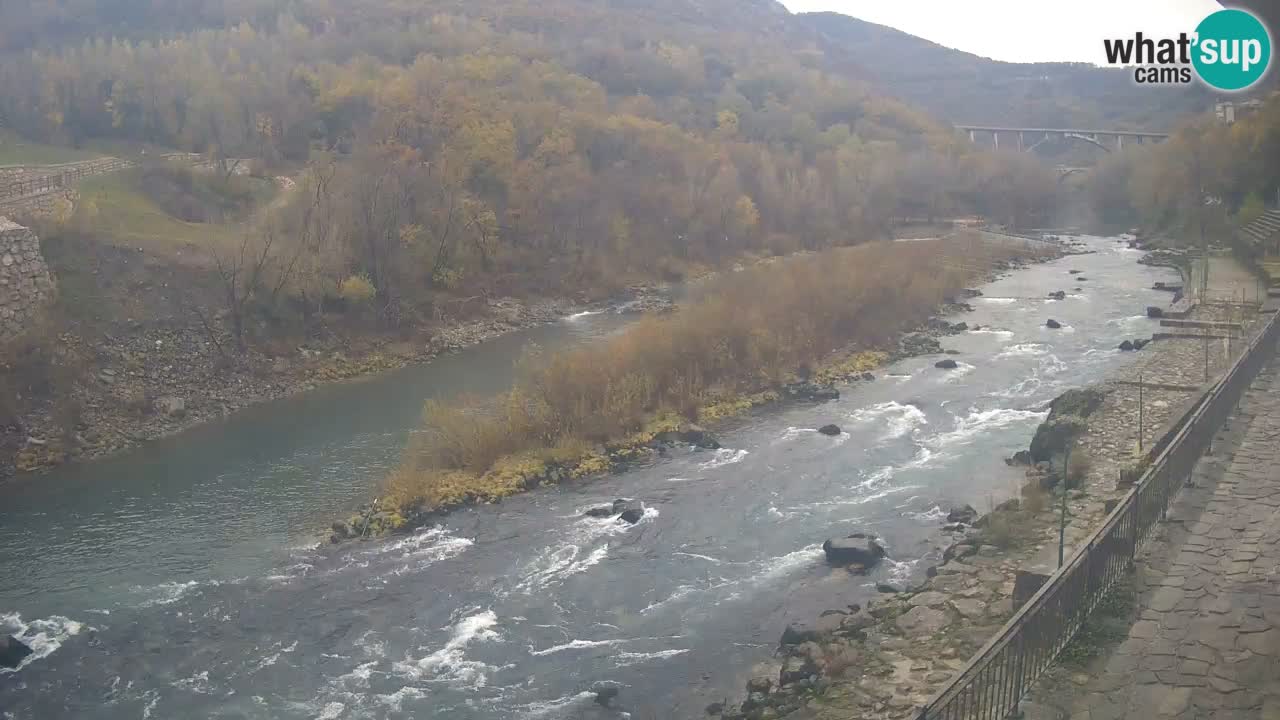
746 341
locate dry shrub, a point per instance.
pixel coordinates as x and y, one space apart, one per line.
1034 498
1078 468
749 330
1008 529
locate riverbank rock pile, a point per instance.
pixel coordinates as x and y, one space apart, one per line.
807 390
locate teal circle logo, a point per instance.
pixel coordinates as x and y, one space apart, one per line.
1233 50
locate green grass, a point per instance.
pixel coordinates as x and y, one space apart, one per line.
17 151
122 214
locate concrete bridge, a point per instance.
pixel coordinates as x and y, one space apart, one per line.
1028 138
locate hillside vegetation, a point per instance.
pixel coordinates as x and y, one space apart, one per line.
1218 176
518 146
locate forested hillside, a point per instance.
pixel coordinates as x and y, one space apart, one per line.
578 141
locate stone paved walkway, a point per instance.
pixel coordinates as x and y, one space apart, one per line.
1206 641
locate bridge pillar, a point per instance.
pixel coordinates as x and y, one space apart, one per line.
995 138
1020 141
1119 142
971 136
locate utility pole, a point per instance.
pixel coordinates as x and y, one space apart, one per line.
1206 355
1062 522
1140 418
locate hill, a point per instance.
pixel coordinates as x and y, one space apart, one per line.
968 89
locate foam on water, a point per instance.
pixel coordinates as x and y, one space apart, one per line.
1023 350
449 664
331 711
557 706
198 683
778 567
580 315
165 593
725 456
43 636
978 422
395 700
626 659
898 418
900 570
932 515
998 300
576 645
956 374
1001 334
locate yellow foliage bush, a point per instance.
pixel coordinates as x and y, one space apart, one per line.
357 290
717 356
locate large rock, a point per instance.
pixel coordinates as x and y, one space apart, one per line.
12 651
1059 295
830 430
965 514
172 406
799 632
1154 312
1052 324
947 364
921 620
1126 346
796 668
605 693
857 548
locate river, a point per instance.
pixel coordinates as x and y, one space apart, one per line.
187 578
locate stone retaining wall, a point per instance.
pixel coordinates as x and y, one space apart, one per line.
25 284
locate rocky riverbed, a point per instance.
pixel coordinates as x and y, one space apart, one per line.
149 382
887 659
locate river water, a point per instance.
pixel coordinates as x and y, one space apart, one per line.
187 578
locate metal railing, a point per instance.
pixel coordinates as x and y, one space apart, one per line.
995 679
56 177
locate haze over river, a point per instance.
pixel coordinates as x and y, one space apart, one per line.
187 578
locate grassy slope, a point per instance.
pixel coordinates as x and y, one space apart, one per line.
120 214
17 151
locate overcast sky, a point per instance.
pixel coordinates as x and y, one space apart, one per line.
1020 30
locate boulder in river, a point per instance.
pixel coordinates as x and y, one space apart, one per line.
831 430
964 514
799 632
631 515
1058 295
1140 343
1126 346
858 548
947 364
1022 457
12 651
868 377
1154 312
605 693
1074 272
1082 278
1052 324
602 511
